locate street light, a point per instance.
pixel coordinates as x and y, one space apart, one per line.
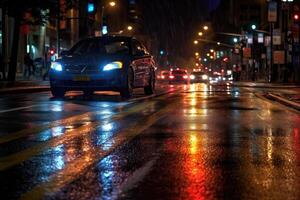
212 50
130 28
112 4
200 34
196 42
205 28
218 43
196 54
253 26
235 40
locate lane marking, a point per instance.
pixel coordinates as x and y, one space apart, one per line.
136 177
17 109
37 129
73 119
19 157
73 169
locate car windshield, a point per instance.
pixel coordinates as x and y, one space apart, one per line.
197 73
179 72
96 46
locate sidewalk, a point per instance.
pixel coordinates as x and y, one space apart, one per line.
265 85
23 87
290 100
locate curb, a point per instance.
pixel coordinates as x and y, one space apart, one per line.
266 86
284 101
24 90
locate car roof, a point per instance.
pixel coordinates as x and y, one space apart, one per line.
112 37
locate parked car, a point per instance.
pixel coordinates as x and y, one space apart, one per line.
115 63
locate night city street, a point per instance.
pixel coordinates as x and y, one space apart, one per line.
150 100
188 142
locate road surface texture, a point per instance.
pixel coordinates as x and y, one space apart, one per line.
188 142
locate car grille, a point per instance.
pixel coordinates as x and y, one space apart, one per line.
81 69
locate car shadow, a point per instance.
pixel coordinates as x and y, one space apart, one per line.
97 97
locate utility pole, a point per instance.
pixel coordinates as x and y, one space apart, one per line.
58 28
271 71
4 41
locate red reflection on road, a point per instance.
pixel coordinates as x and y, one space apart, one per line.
194 168
297 144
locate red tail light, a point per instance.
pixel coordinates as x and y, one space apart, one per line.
171 76
185 76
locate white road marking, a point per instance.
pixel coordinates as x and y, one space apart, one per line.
16 109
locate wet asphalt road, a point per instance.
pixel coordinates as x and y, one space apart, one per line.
189 142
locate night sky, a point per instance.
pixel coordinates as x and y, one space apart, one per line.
176 23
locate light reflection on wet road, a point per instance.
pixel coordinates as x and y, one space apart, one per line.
195 142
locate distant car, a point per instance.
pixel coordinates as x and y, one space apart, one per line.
178 76
213 79
198 77
163 75
115 63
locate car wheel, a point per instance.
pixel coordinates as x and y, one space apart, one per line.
149 89
58 92
127 91
88 92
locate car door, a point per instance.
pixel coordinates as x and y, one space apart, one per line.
140 64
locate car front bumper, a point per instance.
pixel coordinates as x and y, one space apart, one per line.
97 82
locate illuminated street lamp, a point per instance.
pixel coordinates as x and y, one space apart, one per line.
112 4
196 42
253 26
235 40
212 50
196 54
129 28
205 28
219 43
200 34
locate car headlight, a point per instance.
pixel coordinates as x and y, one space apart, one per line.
112 66
204 77
56 66
192 77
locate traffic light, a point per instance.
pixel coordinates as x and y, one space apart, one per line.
296 17
52 52
91 7
225 59
91 10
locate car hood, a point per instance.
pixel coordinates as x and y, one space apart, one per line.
91 60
